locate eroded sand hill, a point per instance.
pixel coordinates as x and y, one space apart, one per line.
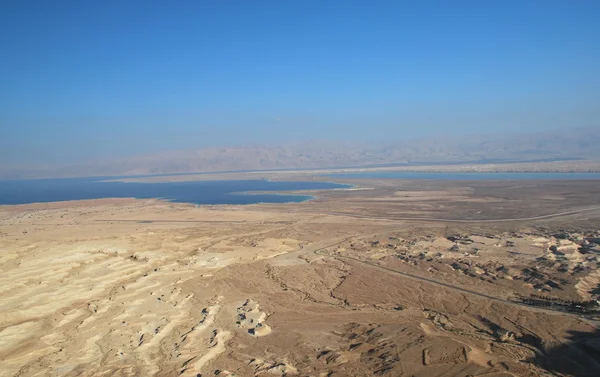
147 288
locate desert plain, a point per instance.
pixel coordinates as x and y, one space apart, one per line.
389 278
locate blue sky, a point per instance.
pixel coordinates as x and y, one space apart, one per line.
87 79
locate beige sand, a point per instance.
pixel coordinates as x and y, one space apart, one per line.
149 288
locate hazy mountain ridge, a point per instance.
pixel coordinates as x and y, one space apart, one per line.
568 144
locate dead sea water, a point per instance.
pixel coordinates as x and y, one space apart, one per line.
196 192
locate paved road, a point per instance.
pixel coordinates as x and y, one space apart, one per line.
427 219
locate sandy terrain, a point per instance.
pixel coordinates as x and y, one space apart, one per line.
403 279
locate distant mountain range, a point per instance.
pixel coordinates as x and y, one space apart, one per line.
576 143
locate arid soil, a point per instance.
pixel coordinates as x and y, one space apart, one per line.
393 278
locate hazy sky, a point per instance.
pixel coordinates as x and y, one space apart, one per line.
83 79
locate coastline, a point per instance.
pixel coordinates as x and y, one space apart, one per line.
582 166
